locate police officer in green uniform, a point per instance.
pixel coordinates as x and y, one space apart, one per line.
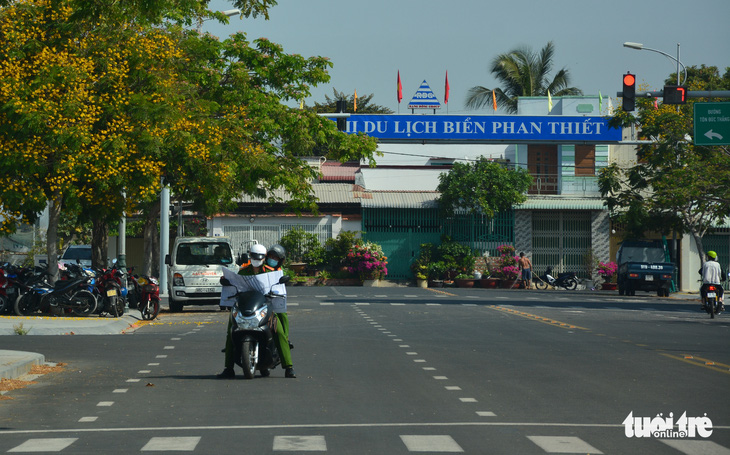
274 260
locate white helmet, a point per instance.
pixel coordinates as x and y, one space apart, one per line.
256 254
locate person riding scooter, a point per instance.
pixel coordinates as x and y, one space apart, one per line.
256 254
712 274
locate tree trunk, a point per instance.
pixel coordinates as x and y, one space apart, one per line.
99 244
151 262
700 250
54 216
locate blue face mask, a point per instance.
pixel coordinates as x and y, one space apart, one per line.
272 262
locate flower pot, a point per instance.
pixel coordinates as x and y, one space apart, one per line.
464 283
422 283
510 284
608 286
435 283
489 283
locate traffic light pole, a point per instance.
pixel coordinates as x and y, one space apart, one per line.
690 94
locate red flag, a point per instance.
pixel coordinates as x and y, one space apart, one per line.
400 89
446 96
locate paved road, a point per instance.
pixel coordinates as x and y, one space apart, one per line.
391 371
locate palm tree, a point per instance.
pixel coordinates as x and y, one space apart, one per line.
522 73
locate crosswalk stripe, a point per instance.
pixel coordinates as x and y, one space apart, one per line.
168 444
430 443
300 444
691 447
44 445
563 444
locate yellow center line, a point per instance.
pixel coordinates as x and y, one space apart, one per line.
537 318
692 360
700 362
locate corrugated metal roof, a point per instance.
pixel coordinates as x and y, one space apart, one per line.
327 193
338 172
347 193
401 199
561 203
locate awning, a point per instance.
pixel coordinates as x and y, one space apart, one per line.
561 203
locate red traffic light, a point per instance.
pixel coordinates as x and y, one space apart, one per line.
628 102
675 94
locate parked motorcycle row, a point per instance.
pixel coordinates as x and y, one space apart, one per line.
79 291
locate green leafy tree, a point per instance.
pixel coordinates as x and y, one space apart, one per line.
99 102
482 186
522 72
674 185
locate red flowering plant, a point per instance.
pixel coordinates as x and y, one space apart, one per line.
506 267
607 270
367 261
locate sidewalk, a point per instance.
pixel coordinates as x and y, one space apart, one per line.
14 364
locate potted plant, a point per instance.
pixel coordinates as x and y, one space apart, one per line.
420 265
368 262
489 279
436 274
464 281
607 270
507 269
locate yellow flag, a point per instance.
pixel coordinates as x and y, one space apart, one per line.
354 100
550 102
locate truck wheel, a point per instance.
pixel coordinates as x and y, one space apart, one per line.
175 306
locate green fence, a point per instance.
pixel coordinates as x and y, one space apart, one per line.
401 232
719 242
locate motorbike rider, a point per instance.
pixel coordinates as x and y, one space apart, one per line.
274 260
257 254
712 274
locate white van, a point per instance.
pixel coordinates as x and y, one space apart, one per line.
194 270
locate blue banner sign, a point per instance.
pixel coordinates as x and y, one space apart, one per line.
484 128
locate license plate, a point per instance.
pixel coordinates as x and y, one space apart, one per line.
205 290
111 292
711 294
649 278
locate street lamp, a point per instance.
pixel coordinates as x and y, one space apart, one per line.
640 47
227 13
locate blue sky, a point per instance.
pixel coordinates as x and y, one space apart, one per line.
370 41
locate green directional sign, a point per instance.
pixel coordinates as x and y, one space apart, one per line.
712 123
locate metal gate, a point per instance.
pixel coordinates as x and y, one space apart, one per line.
401 232
561 240
482 234
267 235
719 242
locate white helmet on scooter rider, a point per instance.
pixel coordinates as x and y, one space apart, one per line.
257 254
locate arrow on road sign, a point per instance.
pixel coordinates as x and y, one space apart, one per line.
710 135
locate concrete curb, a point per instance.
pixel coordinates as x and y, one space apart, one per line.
14 364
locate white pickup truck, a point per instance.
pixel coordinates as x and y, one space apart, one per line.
194 269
